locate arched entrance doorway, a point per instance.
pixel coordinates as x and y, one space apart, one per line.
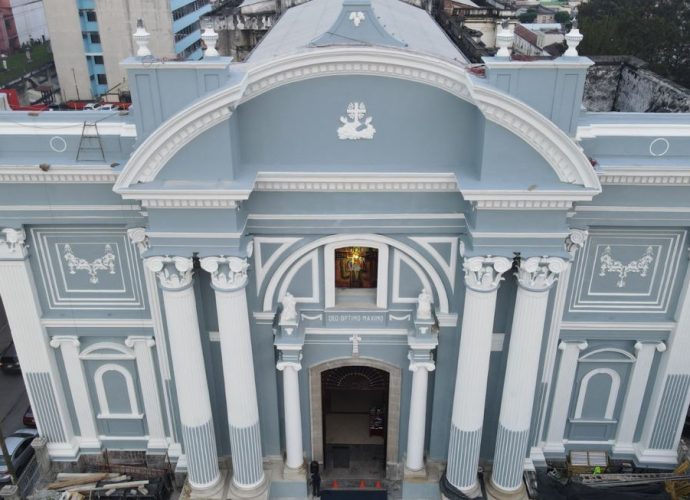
344 392
355 407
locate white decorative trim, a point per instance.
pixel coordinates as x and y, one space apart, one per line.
613 392
355 241
609 265
211 202
629 358
447 319
523 204
539 273
104 263
603 325
96 323
70 208
315 317
484 274
449 268
260 267
630 176
54 141
227 273
103 398
356 182
58 174
565 157
33 127
641 129
13 243
367 216
173 272
405 317
399 257
104 351
315 297
352 129
655 151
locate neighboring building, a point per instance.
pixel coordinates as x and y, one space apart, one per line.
90 38
353 229
9 39
539 40
545 15
29 19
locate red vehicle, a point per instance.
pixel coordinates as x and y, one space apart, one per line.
28 419
13 101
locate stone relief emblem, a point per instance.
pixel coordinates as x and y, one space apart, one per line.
105 263
354 128
610 265
357 18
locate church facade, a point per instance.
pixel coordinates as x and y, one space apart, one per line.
353 239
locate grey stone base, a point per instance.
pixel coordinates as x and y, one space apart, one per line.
495 493
216 492
261 492
295 474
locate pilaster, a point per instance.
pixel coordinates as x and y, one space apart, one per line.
39 368
483 276
229 279
149 388
198 435
570 352
536 276
69 348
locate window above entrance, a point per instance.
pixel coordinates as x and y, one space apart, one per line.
356 276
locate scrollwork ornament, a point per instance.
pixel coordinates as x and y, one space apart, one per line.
484 274
539 273
575 240
174 273
227 273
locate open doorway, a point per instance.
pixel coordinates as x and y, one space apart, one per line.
355 420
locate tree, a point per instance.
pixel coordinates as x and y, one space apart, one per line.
655 31
562 17
528 17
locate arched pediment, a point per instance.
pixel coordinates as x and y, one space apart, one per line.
567 161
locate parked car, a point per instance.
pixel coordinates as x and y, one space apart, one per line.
28 418
91 106
28 432
9 363
20 453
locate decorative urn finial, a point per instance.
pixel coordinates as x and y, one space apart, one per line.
141 38
210 38
504 40
573 39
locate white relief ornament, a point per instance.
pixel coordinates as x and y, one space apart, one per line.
357 18
105 263
485 273
352 128
355 339
424 301
610 265
539 273
14 239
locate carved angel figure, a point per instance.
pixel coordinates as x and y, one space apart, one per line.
289 314
424 301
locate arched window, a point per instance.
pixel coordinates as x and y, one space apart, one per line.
120 398
598 394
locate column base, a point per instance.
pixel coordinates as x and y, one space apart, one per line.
450 492
493 492
299 474
214 492
415 475
259 492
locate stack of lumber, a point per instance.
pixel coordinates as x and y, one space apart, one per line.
76 486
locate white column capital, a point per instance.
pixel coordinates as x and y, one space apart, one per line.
429 366
138 340
137 235
581 345
538 274
174 273
295 365
60 340
575 240
659 346
227 273
12 243
484 274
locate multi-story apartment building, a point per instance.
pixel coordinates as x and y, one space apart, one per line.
90 38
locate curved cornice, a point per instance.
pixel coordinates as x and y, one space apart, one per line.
567 160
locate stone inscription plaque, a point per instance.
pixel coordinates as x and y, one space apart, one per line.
356 318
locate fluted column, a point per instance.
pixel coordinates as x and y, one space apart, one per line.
149 389
416 428
198 435
39 368
229 279
632 404
293 412
536 276
69 347
562 394
482 278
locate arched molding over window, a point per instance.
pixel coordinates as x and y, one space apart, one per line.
102 394
107 351
613 391
368 240
610 354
